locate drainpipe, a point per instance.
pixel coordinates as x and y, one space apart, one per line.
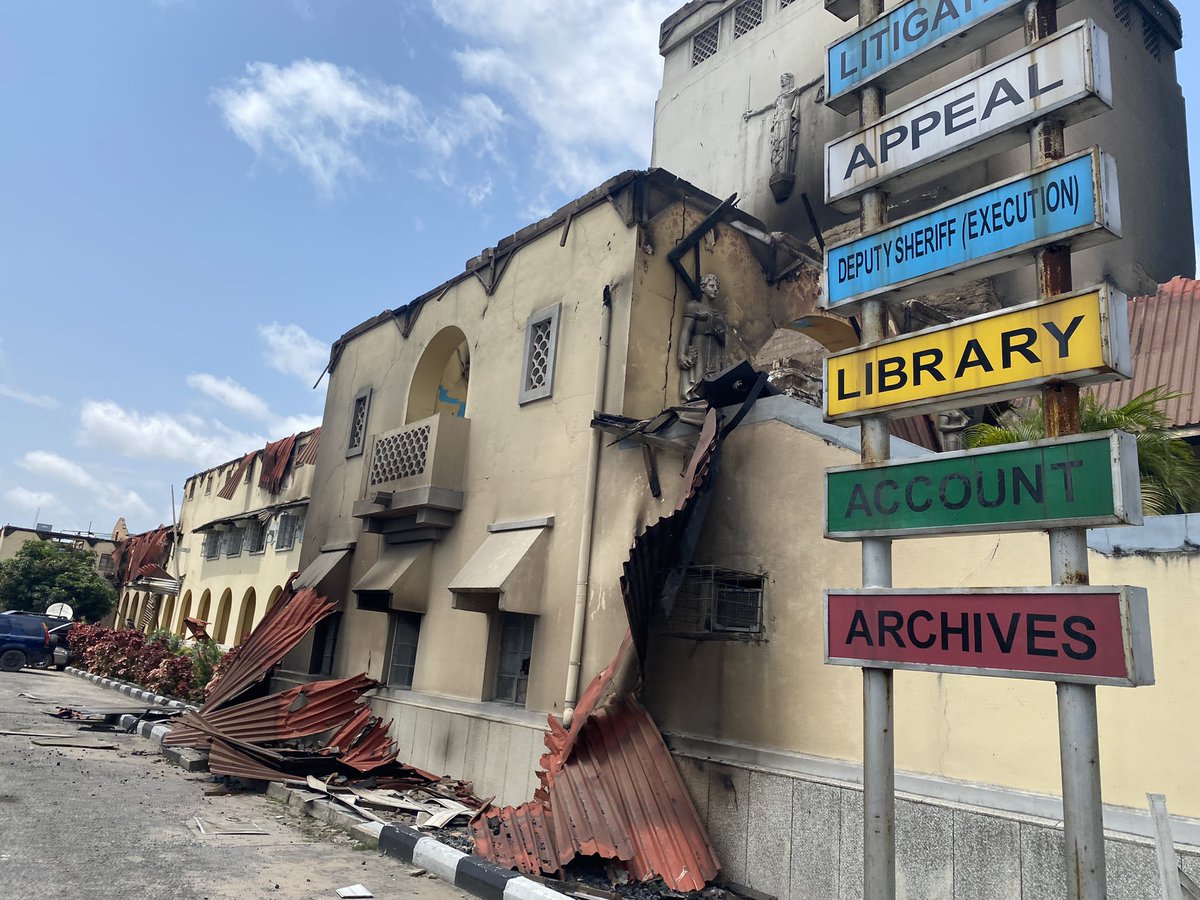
583 571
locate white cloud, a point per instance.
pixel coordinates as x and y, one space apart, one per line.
40 400
585 72
317 115
109 496
293 351
28 500
231 394
162 435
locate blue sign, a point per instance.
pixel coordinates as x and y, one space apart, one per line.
1069 199
902 34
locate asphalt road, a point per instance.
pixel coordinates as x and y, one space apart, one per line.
78 824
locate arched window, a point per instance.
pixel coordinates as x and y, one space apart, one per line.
440 380
246 617
221 624
205 603
185 610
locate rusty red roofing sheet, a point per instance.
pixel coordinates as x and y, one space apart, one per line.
618 795
919 430
224 759
1164 341
306 454
149 548
276 461
236 476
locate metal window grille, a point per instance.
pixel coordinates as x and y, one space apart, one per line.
285 538
256 537
106 564
715 603
1123 13
400 455
406 631
746 16
784 4
512 665
541 343
233 541
249 472
212 545
1151 38
358 423
704 42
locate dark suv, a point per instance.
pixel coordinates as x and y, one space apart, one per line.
24 641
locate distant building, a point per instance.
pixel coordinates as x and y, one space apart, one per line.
241 528
99 547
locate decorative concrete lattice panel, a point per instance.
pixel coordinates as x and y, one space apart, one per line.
539 356
400 455
704 42
359 422
746 16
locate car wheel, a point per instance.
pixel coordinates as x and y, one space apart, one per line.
11 661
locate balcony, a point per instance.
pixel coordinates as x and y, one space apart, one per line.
413 483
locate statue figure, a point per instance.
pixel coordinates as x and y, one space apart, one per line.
785 136
701 338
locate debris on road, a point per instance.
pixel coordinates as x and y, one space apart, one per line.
79 743
354 890
209 826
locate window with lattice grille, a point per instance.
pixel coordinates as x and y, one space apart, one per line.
513 656
784 4
233 541
358 422
401 454
291 527
541 344
746 16
1151 38
402 661
713 603
1123 13
704 42
256 537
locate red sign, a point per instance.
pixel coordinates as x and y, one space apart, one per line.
1095 635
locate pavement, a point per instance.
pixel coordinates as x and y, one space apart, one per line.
95 824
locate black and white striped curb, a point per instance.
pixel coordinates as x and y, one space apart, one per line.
151 731
467 873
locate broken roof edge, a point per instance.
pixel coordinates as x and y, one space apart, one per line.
251 513
671 187
810 419
300 435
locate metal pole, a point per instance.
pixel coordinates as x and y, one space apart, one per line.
879 746
1078 729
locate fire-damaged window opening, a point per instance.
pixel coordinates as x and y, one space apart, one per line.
233 541
512 658
249 472
746 16
291 529
715 604
541 346
358 422
325 636
784 4
704 42
256 537
212 544
402 655
191 488
208 484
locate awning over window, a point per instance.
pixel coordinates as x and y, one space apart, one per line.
320 569
401 573
510 564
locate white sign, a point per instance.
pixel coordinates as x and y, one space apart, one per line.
985 113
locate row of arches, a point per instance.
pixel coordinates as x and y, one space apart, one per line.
227 623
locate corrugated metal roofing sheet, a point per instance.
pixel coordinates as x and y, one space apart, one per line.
276 461
306 454
236 476
1164 341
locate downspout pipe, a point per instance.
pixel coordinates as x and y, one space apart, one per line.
583 570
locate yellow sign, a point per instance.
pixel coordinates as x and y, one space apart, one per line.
1078 337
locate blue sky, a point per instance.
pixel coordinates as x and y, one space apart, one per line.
200 195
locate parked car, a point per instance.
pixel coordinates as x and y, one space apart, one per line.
25 640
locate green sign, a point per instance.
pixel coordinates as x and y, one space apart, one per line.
1082 480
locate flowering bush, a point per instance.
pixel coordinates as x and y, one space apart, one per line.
221 667
157 663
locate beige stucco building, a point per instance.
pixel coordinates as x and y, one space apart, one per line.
241 529
99 546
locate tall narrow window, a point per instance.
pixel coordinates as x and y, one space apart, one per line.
290 525
358 422
212 544
541 345
325 637
512 662
256 537
402 660
704 42
233 541
208 484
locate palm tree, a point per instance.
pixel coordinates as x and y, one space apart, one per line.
1170 470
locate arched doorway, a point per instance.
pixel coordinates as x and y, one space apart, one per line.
203 611
221 624
276 593
168 613
440 380
135 612
185 610
246 618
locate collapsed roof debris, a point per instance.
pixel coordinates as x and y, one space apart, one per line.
143 555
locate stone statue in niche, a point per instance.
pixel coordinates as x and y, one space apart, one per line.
785 136
701 338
